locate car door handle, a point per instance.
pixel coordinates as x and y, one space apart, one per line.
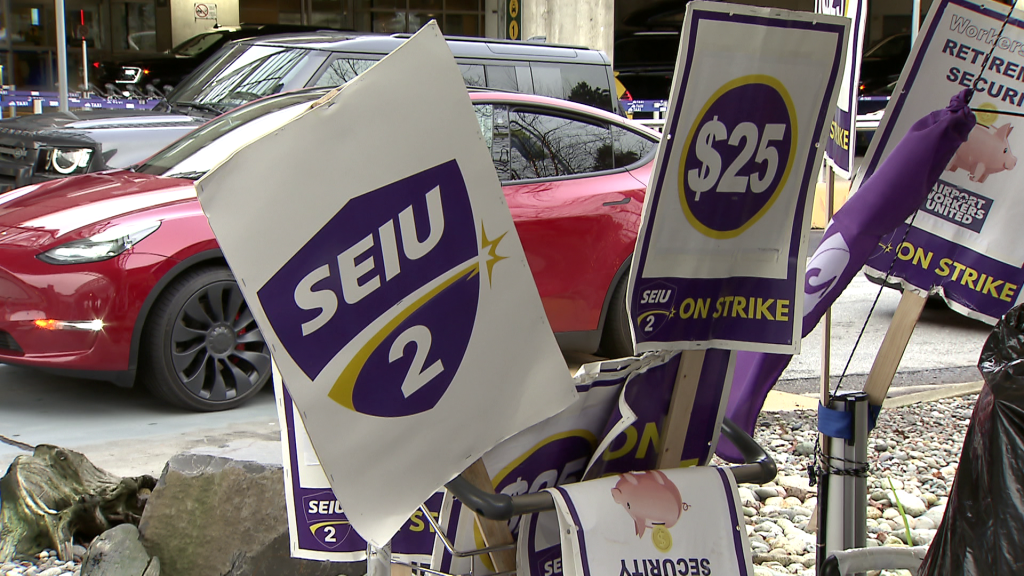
618 202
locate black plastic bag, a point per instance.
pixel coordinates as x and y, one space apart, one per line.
982 530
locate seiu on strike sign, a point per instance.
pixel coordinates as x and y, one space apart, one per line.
719 258
388 278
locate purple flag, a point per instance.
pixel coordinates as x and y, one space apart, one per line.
894 192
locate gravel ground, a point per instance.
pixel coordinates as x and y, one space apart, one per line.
915 447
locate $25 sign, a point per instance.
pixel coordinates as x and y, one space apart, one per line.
737 156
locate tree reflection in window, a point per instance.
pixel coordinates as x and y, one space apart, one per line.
343 70
630 147
544 146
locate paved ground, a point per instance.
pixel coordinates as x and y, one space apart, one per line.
129 433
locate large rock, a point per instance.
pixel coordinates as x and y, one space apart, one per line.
912 505
118 552
797 486
217 516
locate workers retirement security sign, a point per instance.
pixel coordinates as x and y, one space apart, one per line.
719 260
372 241
964 242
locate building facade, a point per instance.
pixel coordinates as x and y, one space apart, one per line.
108 28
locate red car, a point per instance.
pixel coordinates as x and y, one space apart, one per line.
117 275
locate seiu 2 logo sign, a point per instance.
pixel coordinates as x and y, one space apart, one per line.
400 264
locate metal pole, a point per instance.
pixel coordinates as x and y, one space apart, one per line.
837 506
62 56
378 560
847 497
860 481
85 67
825 490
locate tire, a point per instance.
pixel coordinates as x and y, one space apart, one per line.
201 348
616 341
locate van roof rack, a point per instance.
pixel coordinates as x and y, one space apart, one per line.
497 41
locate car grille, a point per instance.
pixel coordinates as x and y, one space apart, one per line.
17 159
14 132
8 344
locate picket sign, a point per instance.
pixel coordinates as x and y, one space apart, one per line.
957 249
720 256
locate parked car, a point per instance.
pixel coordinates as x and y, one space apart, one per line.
883 62
117 275
39 148
131 73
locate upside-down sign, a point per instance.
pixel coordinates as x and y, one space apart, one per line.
719 258
387 276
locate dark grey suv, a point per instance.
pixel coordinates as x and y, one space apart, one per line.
48 146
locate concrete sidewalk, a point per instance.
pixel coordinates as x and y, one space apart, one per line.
784 401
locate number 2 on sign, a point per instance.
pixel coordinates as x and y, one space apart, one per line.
709 174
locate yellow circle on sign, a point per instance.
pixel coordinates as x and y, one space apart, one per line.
749 79
662 539
986 118
513 30
513 8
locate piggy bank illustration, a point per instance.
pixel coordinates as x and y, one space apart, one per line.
985 152
650 498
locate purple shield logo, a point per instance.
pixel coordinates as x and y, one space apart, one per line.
655 306
397 267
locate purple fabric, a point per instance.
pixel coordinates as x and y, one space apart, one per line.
889 196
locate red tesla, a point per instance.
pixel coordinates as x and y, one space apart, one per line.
117 275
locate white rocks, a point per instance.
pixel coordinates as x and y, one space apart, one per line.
912 505
908 447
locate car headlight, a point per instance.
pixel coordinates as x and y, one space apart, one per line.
102 246
64 161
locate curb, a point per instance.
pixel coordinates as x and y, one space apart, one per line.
949 391
784 401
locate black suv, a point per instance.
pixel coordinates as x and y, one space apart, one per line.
43 147
130 74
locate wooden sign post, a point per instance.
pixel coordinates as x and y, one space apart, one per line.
680 408
894 344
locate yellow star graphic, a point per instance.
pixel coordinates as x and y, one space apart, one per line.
672 313
492 251
886 247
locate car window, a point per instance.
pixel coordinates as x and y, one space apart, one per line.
341 70
197 44
548 146
630 147
502 78
485 116
199 151
473 75
576 82
248 72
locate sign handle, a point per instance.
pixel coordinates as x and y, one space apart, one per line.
893 345
680 408
494 532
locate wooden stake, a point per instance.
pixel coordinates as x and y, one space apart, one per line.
494 532
826 325
893 345
683 394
